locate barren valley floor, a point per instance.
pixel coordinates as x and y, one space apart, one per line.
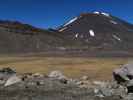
75 67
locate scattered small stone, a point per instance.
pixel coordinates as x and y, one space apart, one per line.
38 75
57 75
38 83
98 93
106 92
121 91
64 81
85 78
2 82
58 85
99 83
128 97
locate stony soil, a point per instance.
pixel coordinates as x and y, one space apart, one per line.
56 86
49 89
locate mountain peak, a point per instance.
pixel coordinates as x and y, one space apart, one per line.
85 15
102 13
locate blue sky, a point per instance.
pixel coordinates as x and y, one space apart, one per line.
52 13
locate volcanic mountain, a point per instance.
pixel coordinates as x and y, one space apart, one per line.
100 31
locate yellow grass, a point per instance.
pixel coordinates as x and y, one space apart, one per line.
95 68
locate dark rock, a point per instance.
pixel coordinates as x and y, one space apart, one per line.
64 81
130 89
118 78
124 73
7 71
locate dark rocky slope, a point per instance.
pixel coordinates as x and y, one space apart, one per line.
100 31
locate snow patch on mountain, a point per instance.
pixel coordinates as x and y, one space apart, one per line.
77 35
102 13
71 21
116 37
62 29
113 22
96 12
92 33
105 14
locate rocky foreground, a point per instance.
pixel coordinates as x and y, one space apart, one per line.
56 86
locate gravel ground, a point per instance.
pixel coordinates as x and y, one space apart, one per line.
58 87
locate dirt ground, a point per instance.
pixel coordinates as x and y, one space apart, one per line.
95 68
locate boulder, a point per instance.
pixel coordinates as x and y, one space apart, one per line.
124 76
57 75
5 73
37 75
85 78
7 70
12 80
124 73
99 83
